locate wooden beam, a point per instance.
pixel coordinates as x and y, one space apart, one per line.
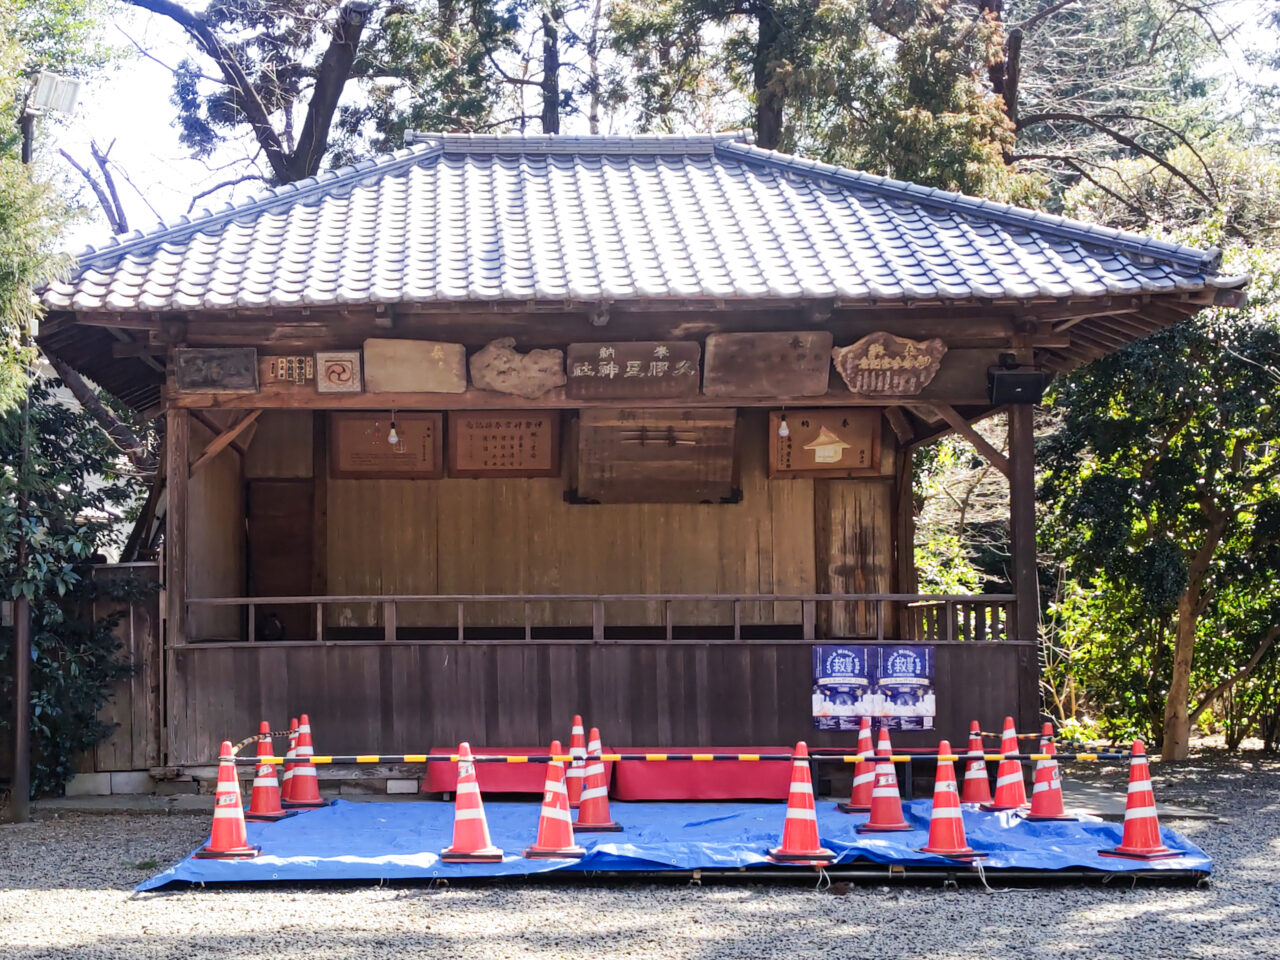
240 444
901 425
223 440
177 445
961 426
1022 520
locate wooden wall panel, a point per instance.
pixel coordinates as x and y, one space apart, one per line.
281 447
520 536
215 539
853 523
407 698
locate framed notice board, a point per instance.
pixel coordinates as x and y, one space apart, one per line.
359 446
825 442
504 443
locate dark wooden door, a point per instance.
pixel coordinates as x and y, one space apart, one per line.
281 546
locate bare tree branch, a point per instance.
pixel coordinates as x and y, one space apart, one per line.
109 202
223 185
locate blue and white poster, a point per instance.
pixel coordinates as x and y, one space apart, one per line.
891 683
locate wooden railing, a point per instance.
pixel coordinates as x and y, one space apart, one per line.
925 617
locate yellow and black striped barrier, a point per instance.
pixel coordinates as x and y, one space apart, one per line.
412 758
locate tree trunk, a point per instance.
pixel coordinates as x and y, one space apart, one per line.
1177 716
769 99
550 71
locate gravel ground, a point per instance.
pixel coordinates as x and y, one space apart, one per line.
65 890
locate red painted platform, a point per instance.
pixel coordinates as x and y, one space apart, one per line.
700 780
495 778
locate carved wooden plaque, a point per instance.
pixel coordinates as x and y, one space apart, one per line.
656 456
338 371
360 445
794 364
296 370
827 442
215 369
881 364
504 443
633 369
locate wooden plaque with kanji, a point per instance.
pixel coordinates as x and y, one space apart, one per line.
504 443
826 442
360 445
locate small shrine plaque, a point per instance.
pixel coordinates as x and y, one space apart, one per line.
215 369
360 445
295 370
338 371
881 364
827 442
504 443
636 369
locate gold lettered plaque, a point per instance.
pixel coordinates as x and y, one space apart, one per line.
362 445
827 442
504 443
881 364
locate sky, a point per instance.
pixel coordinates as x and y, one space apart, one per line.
131 106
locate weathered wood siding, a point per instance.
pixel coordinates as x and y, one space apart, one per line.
215 530
399 698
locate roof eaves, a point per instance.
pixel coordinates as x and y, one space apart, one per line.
1018 217
286 195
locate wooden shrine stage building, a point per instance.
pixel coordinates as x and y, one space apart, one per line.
466 439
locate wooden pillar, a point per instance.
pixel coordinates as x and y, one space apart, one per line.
320 509
177 444
904 534
853 545
1022 520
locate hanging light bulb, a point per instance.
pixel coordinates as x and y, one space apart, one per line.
393 438
783 430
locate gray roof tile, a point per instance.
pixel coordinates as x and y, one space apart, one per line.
492 217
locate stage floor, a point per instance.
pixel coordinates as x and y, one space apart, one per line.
402 841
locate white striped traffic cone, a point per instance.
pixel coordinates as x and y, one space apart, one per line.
1011 793
864 773
577 772
305 785
977 785
227 839
800 842
471 843
886 802
264 800
1046 790
1141 838
286 781
946 825
593 813
555 825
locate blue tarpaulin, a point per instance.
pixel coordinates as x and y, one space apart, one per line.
372 841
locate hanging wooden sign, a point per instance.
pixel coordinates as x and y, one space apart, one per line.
295 370
504 443
656 456
881 364
362 445
215 369
827 442
794 364
633 369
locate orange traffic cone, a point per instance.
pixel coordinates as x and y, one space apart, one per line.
800 843
471 843
227 839
555 827
946 826
286 782
577 771
593 813
1046 736
1046 791
1011 794
977 786
1141 839
264 801
886 803
864 773
306 788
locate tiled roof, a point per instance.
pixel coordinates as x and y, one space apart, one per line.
457 217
